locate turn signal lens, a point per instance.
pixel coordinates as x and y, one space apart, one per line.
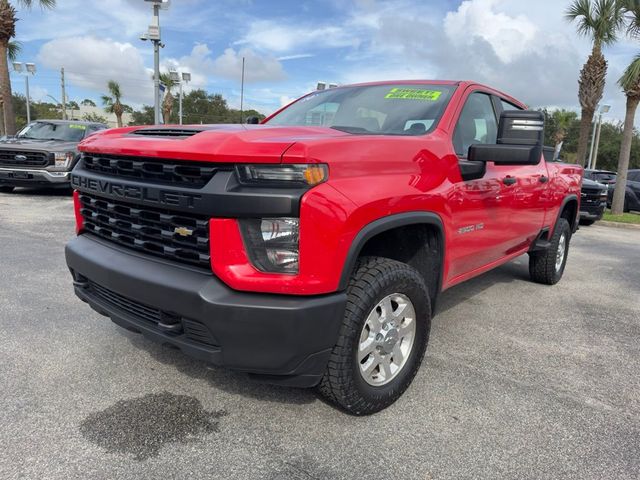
287 175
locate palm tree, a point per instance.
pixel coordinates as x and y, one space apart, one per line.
600 20
630 84
7 32
13 50
167 103
112 103
562 120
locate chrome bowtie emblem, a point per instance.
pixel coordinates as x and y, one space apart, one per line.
183 231
20 158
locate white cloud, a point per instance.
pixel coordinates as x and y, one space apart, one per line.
91 62
510 37
278 37
228 65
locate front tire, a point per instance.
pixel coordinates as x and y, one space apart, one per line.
383 337
547 266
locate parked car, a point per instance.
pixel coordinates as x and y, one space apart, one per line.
601 176
311 250
632 193
593 201
43 153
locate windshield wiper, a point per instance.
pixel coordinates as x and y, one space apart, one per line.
348 129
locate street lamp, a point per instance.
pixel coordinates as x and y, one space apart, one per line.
29 68
595 137
178 78
153 34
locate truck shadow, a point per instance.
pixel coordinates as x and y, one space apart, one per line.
42 192
513 271
218 377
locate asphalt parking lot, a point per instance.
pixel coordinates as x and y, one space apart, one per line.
520 381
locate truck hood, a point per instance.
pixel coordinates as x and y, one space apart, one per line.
37 145
210 143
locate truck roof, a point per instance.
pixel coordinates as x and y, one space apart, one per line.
68 122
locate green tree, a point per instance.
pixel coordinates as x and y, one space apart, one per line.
167 102
87 102
112 102
630 84
94 117
600 20
8 21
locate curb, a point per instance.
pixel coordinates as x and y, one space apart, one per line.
628 226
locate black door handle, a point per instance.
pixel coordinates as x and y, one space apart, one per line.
509 180
543 179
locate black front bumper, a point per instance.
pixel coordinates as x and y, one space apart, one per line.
284 339
592 210
17 177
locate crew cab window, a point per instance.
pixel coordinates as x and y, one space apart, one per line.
508 106
397 109
477 124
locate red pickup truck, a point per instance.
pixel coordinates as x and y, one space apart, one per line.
310 250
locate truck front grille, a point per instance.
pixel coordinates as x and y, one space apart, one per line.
591 197
179 237
16 158
154 170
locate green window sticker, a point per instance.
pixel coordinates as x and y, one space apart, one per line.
79 127
413 94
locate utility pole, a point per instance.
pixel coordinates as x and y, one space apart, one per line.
64 95
242 94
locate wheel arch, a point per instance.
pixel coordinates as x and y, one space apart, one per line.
371 238
570 210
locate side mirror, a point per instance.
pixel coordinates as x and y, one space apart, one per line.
253 120
520 140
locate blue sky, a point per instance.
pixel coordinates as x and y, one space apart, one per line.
524 48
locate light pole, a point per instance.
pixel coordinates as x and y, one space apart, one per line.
595 138
30 68
153 34
603 110
178 78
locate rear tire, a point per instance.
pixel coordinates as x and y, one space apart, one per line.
547 266
383 337
6 189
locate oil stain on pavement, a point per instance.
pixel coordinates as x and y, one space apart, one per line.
142 426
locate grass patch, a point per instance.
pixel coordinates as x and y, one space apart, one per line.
624 218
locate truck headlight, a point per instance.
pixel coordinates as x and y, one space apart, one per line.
272 243
64 159
285 175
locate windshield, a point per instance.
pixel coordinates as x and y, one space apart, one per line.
376 109
603 177
65 132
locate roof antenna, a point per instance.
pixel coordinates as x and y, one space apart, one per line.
242 94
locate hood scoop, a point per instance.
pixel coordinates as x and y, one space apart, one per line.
167 132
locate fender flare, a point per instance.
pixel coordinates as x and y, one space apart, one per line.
564 203
389 223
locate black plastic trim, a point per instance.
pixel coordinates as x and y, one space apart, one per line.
567 199
389 223
285 337
222 196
